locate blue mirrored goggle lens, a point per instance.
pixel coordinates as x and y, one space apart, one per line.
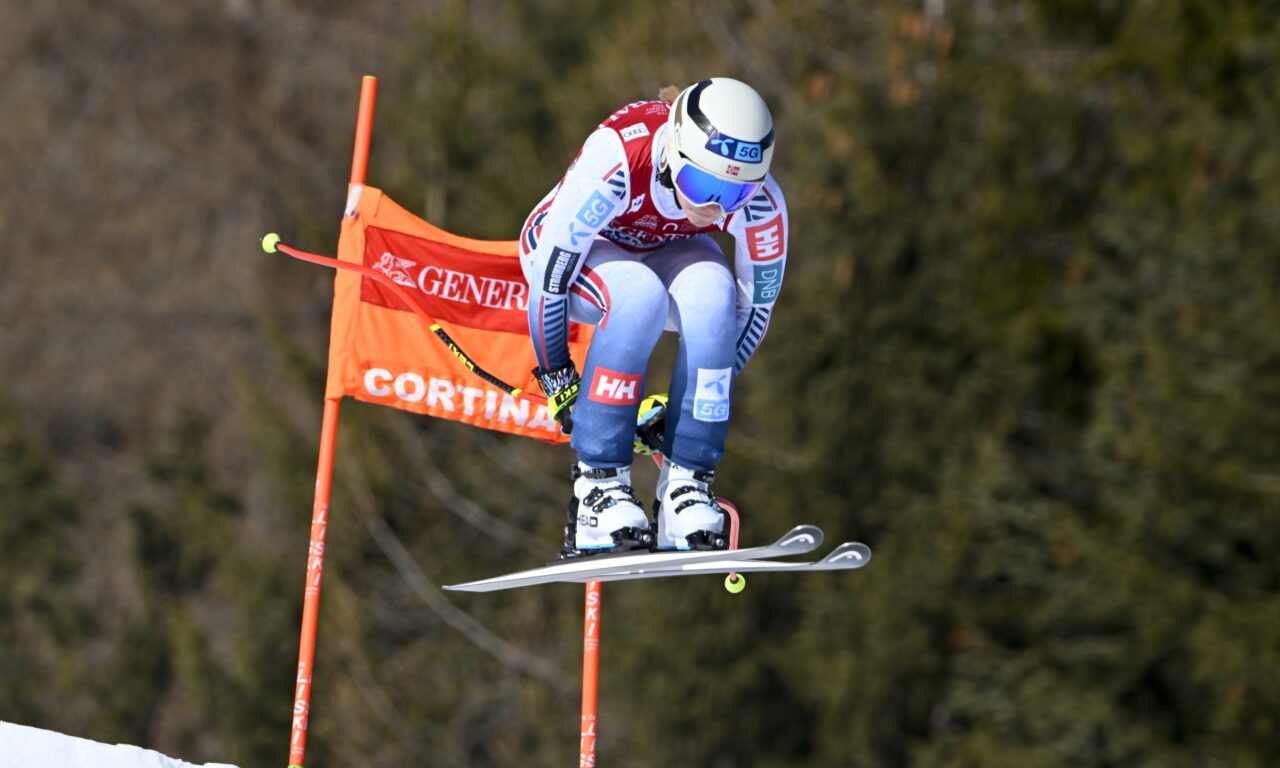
701 188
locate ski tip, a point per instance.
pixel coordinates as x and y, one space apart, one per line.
852 554
484 585
802 538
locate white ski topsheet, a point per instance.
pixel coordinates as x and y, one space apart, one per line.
797 541
25 747
848 556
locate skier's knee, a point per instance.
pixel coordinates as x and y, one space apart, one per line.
638 298
705 294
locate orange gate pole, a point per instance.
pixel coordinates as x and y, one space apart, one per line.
590 676
324 482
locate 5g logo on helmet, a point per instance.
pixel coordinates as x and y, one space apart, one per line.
735 149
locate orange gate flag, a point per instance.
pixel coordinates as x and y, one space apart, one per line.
382 352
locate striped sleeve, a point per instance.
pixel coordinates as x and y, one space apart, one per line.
559 233
760 256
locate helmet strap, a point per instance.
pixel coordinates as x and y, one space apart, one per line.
664 178
664 170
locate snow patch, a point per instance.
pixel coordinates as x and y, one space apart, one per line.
24 747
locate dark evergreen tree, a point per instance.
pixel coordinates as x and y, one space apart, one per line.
43 620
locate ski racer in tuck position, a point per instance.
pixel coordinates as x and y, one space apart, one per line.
621 243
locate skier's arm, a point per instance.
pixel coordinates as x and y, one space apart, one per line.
589 197
591 194
760 231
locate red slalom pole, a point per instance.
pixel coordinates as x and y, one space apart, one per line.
364 128
324 483
590 676
591 645
311 599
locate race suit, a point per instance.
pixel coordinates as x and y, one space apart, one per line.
610 246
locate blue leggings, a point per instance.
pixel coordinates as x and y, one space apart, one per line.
631 298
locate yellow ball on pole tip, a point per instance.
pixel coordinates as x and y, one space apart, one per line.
270 241
735 583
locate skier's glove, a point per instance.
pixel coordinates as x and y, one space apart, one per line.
561 388
651 423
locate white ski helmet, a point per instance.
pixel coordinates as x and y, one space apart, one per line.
721 142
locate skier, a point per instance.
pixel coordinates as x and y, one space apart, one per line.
621 243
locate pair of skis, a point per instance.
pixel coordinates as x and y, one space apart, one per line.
650 565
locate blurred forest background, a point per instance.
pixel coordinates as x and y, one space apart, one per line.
1027 349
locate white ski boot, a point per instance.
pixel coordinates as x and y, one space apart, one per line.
687 512
604 513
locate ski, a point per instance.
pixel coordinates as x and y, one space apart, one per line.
848 556
797 541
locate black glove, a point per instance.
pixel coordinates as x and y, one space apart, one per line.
561 388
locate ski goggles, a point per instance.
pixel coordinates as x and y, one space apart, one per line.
702 188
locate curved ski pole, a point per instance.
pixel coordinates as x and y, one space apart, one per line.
734 582
407 300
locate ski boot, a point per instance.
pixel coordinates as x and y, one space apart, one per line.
686 509
604 514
